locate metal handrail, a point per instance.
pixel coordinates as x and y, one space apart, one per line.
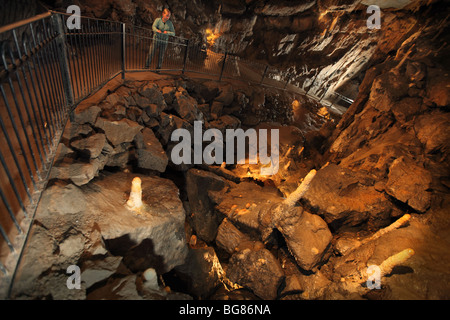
21 23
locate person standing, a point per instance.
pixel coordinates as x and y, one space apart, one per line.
162 28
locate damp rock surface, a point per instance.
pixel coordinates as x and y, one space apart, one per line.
91 227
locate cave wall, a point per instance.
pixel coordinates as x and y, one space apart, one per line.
325 44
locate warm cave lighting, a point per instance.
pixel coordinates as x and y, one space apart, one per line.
135 201
397 259
211 36
323 14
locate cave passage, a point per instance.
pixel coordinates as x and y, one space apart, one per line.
283 151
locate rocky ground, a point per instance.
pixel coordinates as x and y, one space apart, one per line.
217 232
124 131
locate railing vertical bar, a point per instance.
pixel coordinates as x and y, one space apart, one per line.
56 74
223 65
47 53
264 74
45 80
94 56
103 60
105 36
185 56
19 113
8 242
91 68
287 81
5 201
27 109
47 71
22 177
123 50
99 53
39 121
73 65
86 62
61 53
19 140
83 75
40 84
2 267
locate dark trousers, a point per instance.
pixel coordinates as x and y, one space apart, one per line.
157 45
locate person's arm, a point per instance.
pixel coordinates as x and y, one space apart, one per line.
155 25
171 31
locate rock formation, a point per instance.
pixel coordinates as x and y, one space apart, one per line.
222 231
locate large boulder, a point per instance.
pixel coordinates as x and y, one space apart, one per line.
91 146
199 185
152 238
150 154
118 132
80 173
257 270
154 96
201 273
346 199
186 106
409 183
86 114
307 237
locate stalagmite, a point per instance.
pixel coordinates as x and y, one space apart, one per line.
135 201
151 279
387 265
297 194
278 211
397 224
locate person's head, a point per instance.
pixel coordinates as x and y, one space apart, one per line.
165 15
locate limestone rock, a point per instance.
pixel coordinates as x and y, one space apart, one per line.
225 122
153 238
226 95
307 236
432 131
169 94
216 109
91 146
118 132
344 199
229 237
154 96
150 154
409 183
437 89
201 272
186 107
86 114
94 271
204 219
257 270
168 124
78 172
73 129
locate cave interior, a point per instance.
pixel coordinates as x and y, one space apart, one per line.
357 208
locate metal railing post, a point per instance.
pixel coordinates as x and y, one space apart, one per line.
287 81
264 74
223 65
185 56
123 50
58 23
